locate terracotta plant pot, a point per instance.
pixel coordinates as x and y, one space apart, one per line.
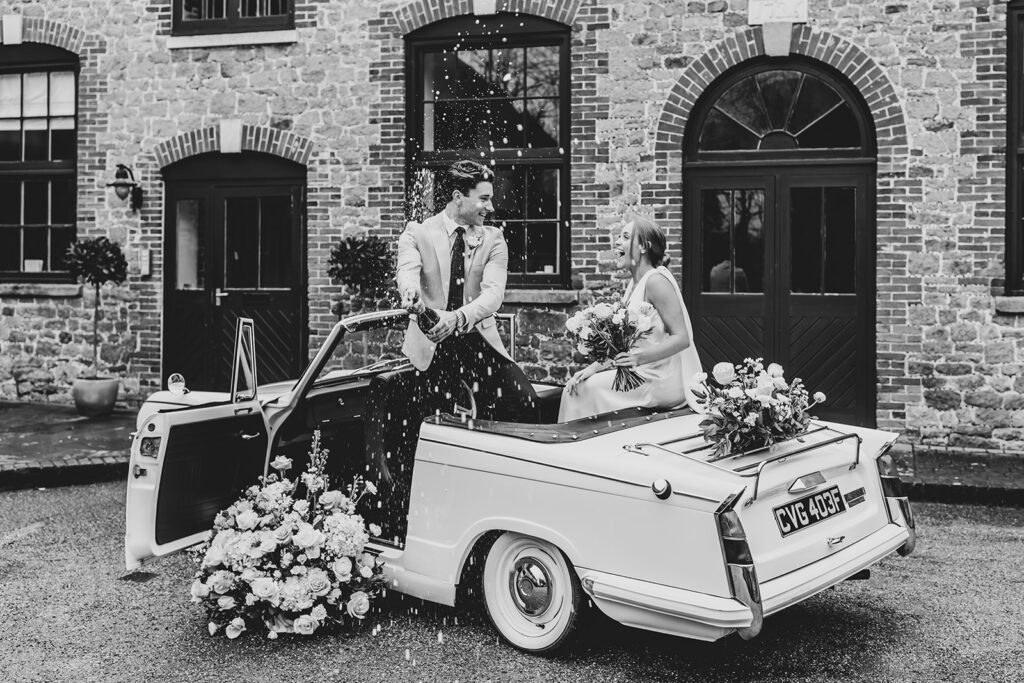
95 396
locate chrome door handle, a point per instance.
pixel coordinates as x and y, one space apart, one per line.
835 540
217 296
138 471
248 436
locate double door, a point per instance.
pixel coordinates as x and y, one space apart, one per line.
233 250
780 265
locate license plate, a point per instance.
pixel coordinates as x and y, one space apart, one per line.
804 512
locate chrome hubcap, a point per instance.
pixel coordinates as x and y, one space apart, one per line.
530 586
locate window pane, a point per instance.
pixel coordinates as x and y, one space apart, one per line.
275 241
777 91
472 125
36 86
36 250
732 224
10 203
37 202
62 143
241 244
63 202
815 99
510 193
542 71
263 8
515 237
805 227
541 123
840 246
37 140
10 142
202 9
62 93
542 248
722 133
742 103
190 250
542 193
10 248
838 129
60 239
10 96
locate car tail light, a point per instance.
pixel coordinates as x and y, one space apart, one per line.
739 564
150 446
895 498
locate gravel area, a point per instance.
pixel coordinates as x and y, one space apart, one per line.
68 612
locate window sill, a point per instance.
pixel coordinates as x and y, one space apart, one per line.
25 290
1010 305
233 39
557 297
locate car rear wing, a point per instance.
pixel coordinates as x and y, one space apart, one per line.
750 463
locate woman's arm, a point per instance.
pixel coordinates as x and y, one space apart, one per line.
661 294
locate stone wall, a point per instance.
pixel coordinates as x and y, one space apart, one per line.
932 72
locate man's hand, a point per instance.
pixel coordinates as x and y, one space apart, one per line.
411 300
444 328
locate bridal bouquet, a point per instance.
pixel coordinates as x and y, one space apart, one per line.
606 329
280 562
750 406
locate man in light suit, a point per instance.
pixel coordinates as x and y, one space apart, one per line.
457 266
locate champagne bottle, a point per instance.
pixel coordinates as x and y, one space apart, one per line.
427 318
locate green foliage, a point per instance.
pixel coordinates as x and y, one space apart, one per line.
97 261
365 264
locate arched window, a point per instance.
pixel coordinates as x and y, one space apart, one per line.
38 141
496 90
779 176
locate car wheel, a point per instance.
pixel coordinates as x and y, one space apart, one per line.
531 593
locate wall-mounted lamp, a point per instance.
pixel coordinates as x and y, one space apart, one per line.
124 185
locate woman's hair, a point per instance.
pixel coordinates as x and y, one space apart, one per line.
651 238
463 176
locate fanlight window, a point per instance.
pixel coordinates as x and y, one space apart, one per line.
780 110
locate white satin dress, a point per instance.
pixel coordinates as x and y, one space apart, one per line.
667 381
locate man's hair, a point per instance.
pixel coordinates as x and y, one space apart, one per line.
463 176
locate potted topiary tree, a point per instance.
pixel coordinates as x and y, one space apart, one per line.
96 261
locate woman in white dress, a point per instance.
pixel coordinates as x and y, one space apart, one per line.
666 358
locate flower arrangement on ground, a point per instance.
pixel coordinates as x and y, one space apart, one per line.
285 563
608 328
749 405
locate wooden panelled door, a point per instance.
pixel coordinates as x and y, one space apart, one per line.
234 247
780 259
779 229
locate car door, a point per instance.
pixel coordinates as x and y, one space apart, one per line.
188 464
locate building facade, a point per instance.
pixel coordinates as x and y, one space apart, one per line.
839 181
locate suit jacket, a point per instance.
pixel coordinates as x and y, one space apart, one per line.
424 265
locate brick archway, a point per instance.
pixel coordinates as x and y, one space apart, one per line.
264 139
419 13
845 57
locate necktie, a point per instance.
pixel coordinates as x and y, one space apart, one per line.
457 280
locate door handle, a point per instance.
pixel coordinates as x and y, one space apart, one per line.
138 471
217 296
248 436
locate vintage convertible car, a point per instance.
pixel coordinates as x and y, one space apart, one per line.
622 507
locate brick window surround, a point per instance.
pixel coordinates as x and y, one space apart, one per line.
1014 283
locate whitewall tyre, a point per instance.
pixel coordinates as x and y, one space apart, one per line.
532 594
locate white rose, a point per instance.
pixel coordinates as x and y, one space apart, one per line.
305 625
281 463
724 372
318 613
268 541
774 370
307 536
644 323
301 506
602 311
365 572
199 590
319 582
332 499
221 582
264 588
225 602
235 628
342 568
358 605
247 520
700 377
282 533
